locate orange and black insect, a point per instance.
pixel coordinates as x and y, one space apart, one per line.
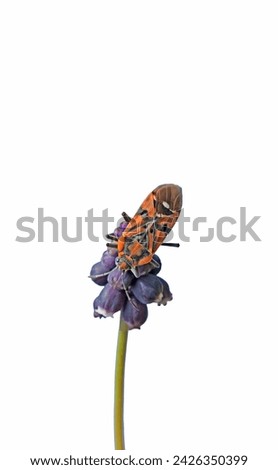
147 230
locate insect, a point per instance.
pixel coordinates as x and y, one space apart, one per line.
147 230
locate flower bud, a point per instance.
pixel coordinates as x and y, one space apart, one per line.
119 279
156 269
166 294
120 229
148 289
109 302
108 258
134 314
98 269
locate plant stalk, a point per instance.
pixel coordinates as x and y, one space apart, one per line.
119 386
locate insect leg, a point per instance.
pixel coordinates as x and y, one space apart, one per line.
112 245
111 236
176 245
128 296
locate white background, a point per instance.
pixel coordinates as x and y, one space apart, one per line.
100 103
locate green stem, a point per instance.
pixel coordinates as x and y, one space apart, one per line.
119 386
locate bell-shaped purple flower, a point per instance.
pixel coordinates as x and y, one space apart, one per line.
119 279
99 274
109 258
120 229
148 289
130 290
108 302
166 293
134 313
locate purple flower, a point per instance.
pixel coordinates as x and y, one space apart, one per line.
166 294
109 302
148 289
109 258
120 279
96 271
119 230
125 291
134 313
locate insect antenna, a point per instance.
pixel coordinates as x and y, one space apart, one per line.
96 276
126 217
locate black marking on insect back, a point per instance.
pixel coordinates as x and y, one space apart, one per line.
142 212
137 257
140 252
163 228
142 237
142 227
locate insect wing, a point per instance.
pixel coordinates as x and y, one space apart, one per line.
163 227
150 225
168 204
139 226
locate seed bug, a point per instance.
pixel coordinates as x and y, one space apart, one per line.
147 230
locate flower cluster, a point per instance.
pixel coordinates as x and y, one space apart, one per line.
124 291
